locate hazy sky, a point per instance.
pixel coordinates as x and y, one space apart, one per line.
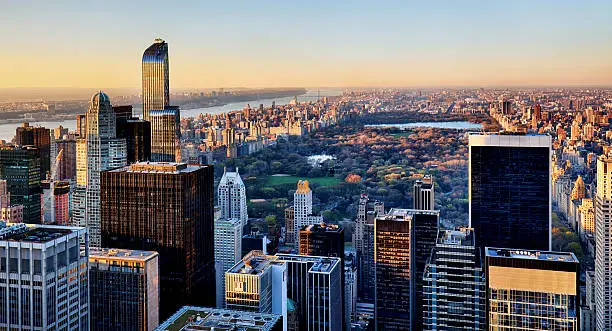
265 43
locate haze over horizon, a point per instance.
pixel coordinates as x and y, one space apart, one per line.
308 44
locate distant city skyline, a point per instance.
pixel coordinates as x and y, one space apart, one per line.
314 43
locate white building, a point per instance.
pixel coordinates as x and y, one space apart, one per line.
228 250
603 216
99 151
302 210
44 285
232 197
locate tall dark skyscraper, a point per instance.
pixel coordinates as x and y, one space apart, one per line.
423 195
20 167
403 240
322 240
40 138
168 208
155 78
136 132
510 190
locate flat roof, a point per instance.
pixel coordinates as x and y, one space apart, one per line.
510 140
160 167
322 227
21 232
531 254
254 263
121 254
320 264
190 318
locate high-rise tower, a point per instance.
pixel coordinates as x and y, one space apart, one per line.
232 197
423 197
99 151
20 166
510 190
603 218
155 78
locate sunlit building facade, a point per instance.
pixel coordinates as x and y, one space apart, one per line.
155 78
532 290
165 134
231 194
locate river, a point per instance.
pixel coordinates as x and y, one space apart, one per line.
7 130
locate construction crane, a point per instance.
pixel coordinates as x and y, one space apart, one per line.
47 198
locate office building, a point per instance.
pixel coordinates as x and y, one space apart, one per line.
532 290
302 209
423 194
289 224
155 78
5 195
231 194
191 318
454 284
258 283
40 138
510 190
314 284
81 125
167 208
603 235
165 134
43 277
350 288
99 150
322 240
136 132
55 202
228 251
20 167
67 164
123 290
363 241
256 241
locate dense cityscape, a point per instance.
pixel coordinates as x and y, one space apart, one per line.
362 167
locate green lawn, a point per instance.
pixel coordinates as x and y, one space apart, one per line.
280 180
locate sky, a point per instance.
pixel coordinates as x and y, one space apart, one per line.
316 43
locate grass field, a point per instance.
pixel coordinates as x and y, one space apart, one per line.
280 180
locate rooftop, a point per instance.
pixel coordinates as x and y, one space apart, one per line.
400 214
460 236
510 140
320 264
159 167
254 263
191 318
322 227
121 254
21 232
531 255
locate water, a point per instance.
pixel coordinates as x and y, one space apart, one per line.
7 130
457 125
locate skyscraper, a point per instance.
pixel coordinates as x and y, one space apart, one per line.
67 163
392 260
231 194
423 195
603 235
228 251
56 202
99 151
510 190
302 209
314 284
136 132
322 240
403 241
258 283
155 78
363 241
123 290
167 208
165 134
532 290
43 277
454 284
40 138
20 167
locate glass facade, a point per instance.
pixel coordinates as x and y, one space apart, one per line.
166 208
20 167
155 78
165 134
510 195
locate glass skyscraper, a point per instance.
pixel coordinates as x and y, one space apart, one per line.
155 78
510 190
